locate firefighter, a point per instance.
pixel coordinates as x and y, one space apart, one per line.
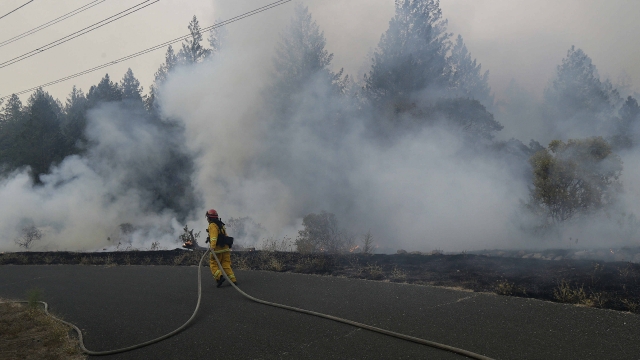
217 235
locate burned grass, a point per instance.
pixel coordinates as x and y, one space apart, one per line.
611 285
26 332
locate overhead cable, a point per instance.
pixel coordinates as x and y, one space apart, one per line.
52 22
78 33
18 8
153 48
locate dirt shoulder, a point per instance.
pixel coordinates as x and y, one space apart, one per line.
26 332
611 285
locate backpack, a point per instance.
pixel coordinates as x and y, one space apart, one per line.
223 239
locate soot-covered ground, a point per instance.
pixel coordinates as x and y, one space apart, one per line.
612 285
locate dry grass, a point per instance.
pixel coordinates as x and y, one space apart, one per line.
179 259
270 262
28 333
566 294
398 274
374 271
241 263
504 287
311 264
632 306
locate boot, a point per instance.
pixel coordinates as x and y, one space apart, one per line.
220 281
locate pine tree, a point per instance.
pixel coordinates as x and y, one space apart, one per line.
627 125
467 79
105 91
130 87
577 89
300 58
411 56
10 119
75 120
170 62
577 101
12 110
217 38
192 51
40 142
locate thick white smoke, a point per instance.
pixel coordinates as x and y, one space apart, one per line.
83 202
424 192
427 191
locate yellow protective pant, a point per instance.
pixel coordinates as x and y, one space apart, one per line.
224 256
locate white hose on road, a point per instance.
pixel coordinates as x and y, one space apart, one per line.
137 346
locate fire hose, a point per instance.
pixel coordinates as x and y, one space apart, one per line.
433 344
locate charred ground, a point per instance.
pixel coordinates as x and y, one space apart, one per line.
611 285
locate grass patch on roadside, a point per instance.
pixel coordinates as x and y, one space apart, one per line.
26 332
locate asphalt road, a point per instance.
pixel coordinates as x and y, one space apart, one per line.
124 305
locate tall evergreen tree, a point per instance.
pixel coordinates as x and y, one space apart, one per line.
411 56
300 58
467 79
12 110
577 102
75 120
105 91
170 62
577 96
10 119
192 50
627 125
130 87
39 140
577 87
217 38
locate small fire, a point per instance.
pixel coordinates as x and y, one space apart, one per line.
611 251
188 244
354 248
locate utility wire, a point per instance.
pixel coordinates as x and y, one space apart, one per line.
52 22
159 46
76 34
16 9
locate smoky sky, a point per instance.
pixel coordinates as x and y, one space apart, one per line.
522 40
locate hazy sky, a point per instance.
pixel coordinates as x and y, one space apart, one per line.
514 39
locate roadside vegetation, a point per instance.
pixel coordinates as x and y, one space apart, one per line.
27 333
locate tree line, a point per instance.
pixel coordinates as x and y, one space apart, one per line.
420 75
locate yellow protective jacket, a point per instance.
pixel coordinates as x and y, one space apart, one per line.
222 252
214 230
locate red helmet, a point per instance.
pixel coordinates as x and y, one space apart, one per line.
211 214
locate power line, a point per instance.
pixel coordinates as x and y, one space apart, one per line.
52 22
77 34
159 46
18 8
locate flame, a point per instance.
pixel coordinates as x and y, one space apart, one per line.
187 244
354 248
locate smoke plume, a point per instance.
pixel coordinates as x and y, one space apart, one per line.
227 147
